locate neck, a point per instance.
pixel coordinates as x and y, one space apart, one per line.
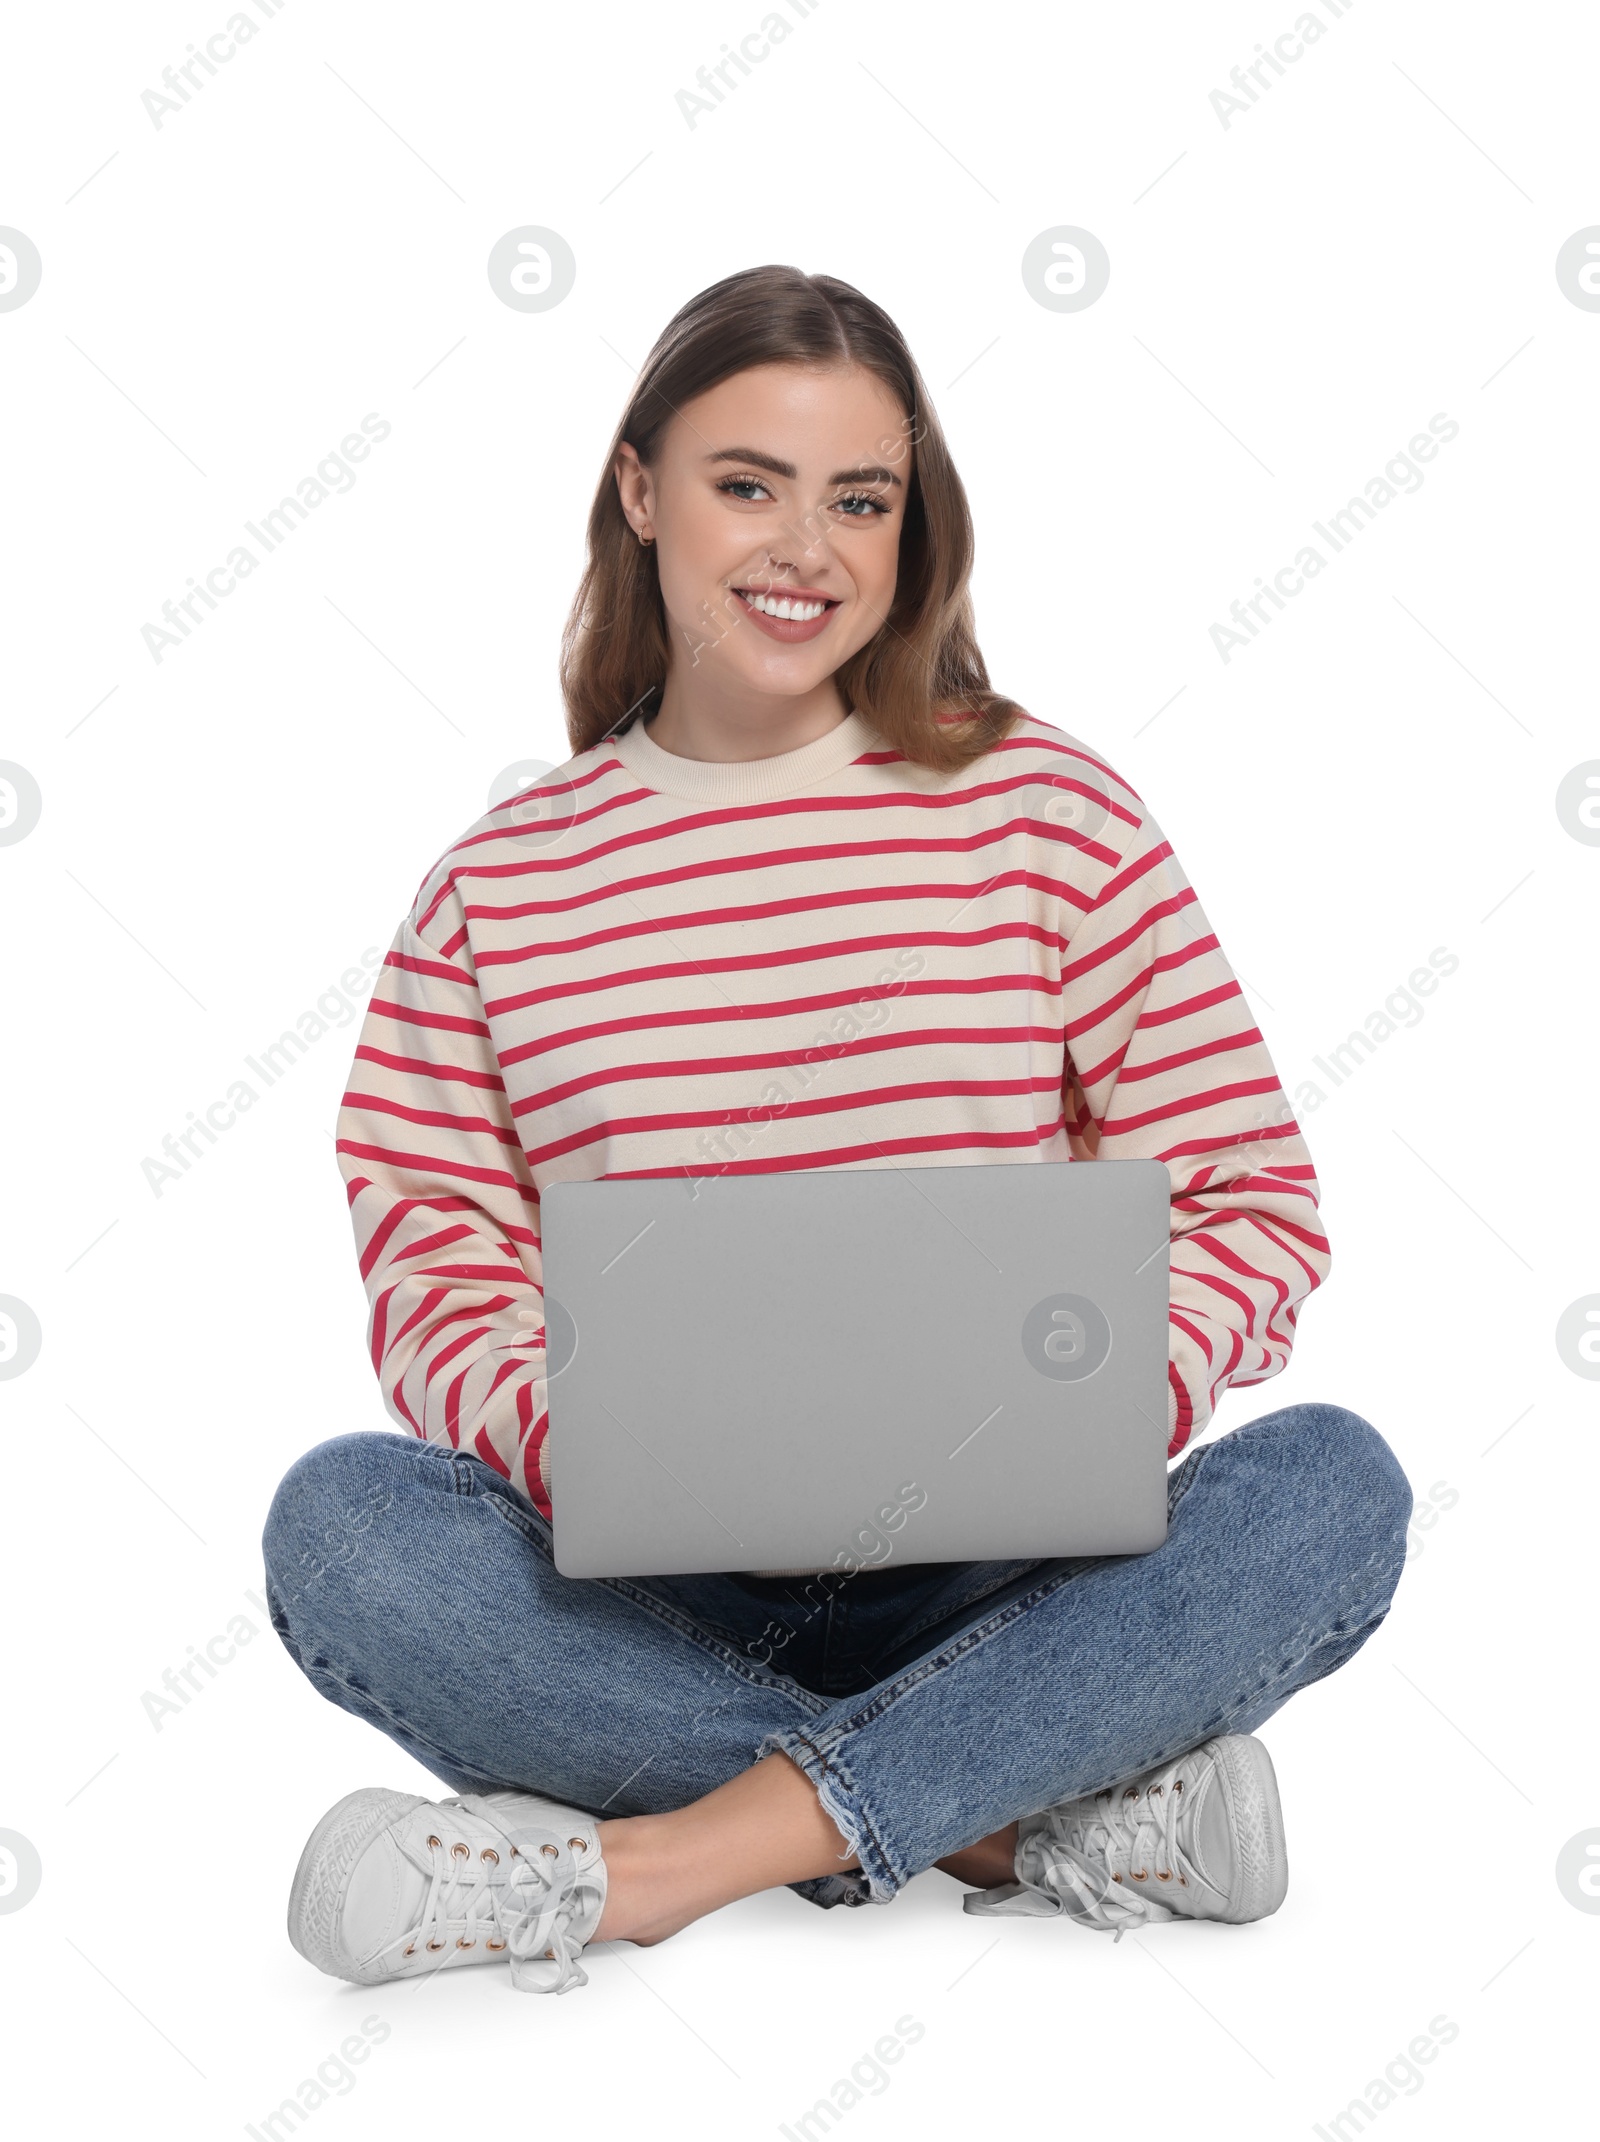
724 731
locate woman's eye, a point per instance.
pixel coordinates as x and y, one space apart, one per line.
733 485
862 498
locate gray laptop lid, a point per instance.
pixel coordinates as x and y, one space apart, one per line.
918 1364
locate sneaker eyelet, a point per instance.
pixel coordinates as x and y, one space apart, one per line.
1132 1793
494 1944
551 1851
460 1944
1116 1877
1140 1874
435 1946
1160 1877
434 1842
460 1851
411 1951
490 1854
576 1843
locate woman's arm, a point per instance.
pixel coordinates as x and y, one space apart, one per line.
446 1213
1165 1061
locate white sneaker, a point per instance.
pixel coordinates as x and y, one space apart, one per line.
1199 1838
394 1886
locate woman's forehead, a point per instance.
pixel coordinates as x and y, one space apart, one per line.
801 415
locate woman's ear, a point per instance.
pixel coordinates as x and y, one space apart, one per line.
634 489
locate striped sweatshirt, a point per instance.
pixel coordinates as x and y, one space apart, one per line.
831 958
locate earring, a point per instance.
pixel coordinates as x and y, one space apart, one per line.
644 540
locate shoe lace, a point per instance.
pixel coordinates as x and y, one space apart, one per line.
1088 1855
522 1900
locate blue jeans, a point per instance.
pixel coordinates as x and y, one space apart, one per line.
929 1704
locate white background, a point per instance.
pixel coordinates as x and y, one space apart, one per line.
225 832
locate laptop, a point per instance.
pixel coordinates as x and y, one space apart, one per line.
841 1368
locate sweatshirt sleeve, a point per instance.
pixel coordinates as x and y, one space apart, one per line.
1164 1061
446 1215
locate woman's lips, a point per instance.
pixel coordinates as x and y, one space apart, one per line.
783 628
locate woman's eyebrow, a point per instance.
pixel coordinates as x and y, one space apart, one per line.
786 469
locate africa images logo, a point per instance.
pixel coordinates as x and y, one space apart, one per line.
1066 1337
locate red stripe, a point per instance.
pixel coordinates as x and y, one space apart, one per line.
798 1007
431 1164
835 898
783 1059
775 957
1190 1104
438 1022
439 970
843 1156
1164 1066
1185 1413
490 1456
425 1067
791 1111
434 1118
687 823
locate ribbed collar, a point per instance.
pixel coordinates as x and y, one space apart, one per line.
742 780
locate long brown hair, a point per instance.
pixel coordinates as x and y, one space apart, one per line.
920 681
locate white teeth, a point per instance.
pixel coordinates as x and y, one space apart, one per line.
781 606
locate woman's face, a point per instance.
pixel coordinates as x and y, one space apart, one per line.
786 483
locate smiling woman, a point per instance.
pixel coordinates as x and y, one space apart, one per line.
812 540
807 895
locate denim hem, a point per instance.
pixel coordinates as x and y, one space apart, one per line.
827 1890
841 1802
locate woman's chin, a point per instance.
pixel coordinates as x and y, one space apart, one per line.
784 677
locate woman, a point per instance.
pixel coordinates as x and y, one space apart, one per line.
793 797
